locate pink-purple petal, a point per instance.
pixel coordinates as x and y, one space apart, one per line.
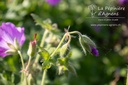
13 32
2 52
3 44
6 36
123 1
94 51
53 2
9 32
22 37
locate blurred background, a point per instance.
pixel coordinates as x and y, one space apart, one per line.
112 41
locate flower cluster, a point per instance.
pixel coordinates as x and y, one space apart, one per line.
12 38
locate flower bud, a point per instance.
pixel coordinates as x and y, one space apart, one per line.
30 79
87 44
62 69
32 47
63 50
94 51
87 40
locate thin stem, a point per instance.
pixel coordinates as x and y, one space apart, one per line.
43 77
21 57
127 76
75 32
43 38
58 45
23 76
41 45
62 40
69 40
28 63
25 82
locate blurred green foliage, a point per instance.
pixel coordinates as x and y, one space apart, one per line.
111 43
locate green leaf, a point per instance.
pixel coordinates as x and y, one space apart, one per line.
46 65
37 19
46 24
72 69
69 54
4 80
44 54
62 61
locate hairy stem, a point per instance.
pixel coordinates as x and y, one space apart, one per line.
62 40
22 61
28 63
127 76
23 76
41 44
75 32
43 77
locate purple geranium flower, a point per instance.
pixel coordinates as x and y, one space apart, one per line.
123 1
94 51
11 38
53 2
97 28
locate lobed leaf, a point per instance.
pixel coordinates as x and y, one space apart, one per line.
44 54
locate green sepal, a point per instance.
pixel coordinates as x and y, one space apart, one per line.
62 61
62 69
86 43
87 40
44 54
69 54
82 44
63 50
62 65
46 65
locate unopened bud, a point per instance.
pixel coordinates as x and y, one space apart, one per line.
32 47
63 50
30 80
87 44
